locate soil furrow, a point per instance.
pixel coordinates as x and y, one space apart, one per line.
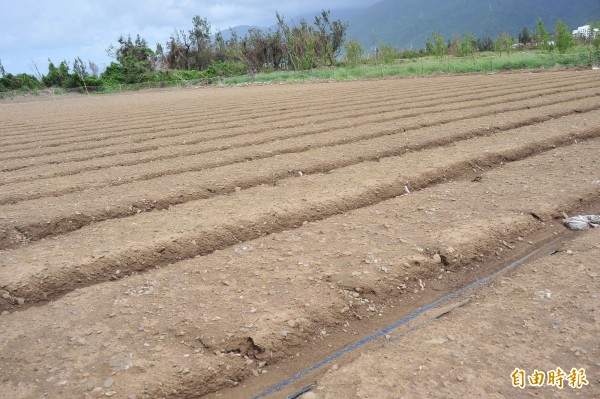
142 123
136 106
153 239
33 220
151 119
509 93
115 176
211 322
290 132
182 150
376 95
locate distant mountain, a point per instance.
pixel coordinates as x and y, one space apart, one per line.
407 23
342 15
240 30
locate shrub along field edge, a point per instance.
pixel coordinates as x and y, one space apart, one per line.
370 69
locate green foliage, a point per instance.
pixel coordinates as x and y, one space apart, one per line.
411 53
402 23
595 40
564 38
61 77
191 50
485 44
504 42
56 75
436 45
260 50
300 46
93 82
426 66
467 45
225 69
543 37
200 43
354 52
541 29
329 37
388 54
192 56
21 81
524 36
135 61
595 35
114 74
308 46
306 58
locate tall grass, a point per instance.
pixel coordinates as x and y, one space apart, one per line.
480 63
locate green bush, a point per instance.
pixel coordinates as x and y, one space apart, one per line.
61 77
20 81
564 38
354 52
114 75
388 54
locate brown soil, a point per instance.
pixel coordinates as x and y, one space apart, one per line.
541 316
183 243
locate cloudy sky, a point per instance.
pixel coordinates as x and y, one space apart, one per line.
31 31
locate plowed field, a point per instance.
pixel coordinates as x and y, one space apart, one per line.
185 243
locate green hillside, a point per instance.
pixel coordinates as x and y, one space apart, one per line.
407 23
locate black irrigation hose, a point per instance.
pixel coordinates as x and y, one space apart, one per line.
385 331
300 392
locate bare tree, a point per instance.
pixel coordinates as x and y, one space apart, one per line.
36 71
200 43
179 51
94 68
80 68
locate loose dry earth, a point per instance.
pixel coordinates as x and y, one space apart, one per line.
542 316
217 241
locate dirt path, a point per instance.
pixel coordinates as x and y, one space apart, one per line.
194 274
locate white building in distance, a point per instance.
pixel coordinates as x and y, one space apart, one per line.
585 31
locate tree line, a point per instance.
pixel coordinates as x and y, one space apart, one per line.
464 45
467 44
196 54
